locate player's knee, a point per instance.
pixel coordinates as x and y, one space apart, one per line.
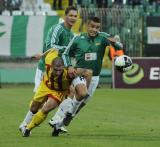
79 81
81 92
83 96
45 110
35 107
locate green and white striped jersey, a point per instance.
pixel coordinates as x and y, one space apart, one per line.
58 37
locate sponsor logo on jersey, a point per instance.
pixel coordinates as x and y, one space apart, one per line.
97 43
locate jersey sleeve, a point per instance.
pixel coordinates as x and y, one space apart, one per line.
111 41
70 53
52 39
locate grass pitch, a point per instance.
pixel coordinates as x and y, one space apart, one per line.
113 118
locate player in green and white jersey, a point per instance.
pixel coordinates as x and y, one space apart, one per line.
58 37
88 50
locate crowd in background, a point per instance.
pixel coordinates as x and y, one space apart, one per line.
57 4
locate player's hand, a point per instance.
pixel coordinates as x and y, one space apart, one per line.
72 72
114 42
111 39
36 56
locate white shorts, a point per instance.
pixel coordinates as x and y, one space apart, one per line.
79 80
37 79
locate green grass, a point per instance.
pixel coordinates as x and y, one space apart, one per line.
113 118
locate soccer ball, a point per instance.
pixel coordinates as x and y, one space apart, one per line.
123 63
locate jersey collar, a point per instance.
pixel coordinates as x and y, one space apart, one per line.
67 29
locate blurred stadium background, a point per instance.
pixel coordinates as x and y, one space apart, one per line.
24 24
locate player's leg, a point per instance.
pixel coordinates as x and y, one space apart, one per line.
88 76
41 115
37 102
62 110
60 113
81 92
30 113
92 88
33 109
70 106
37 79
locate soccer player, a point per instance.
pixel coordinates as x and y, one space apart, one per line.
58 37
88 50
53 88
55 83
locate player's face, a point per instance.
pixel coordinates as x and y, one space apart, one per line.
71 18
93 28
57 70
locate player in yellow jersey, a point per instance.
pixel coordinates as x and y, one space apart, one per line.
58 37
78 82
53 88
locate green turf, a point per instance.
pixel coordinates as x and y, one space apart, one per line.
114 118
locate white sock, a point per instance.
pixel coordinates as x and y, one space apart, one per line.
27 118
63 108
76 105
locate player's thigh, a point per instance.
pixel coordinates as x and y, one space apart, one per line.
86 73
79 84
49 105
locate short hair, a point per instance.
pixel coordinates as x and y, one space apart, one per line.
68 9
57 61
95 19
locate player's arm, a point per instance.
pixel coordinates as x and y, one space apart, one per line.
116 44
109 40
67 61
53 38
66 56
70 52
41 55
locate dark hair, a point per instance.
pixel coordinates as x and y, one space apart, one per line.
57 61
69 9
95 19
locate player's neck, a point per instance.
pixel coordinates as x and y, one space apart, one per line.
68 26
91 37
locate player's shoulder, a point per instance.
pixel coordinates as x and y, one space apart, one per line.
57 27
104 34
50 56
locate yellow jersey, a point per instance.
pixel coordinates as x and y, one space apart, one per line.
59 83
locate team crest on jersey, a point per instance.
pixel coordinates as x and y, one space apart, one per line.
97 43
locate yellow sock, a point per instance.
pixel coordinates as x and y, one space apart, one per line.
37 119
